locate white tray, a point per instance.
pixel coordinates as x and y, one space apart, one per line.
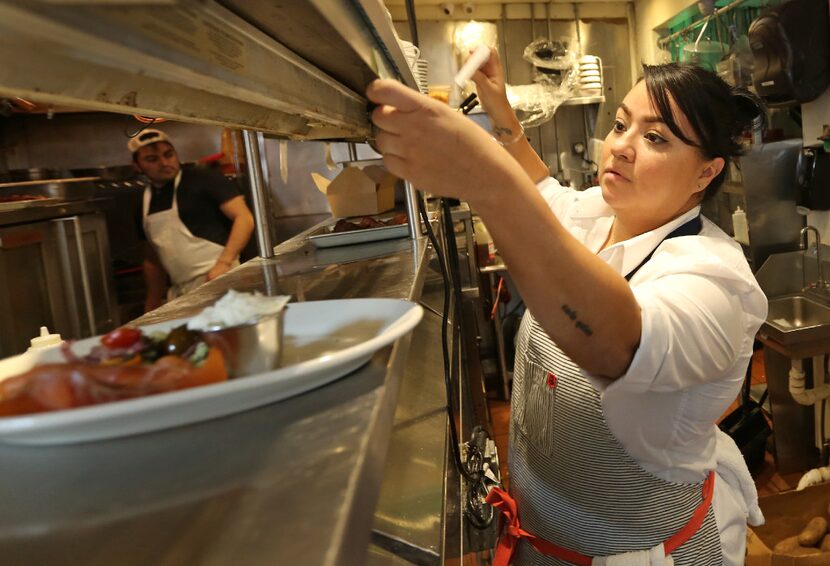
323 340
323 237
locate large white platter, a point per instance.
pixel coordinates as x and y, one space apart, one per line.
323 340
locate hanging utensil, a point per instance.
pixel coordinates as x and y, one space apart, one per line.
705 53
700 35
284 161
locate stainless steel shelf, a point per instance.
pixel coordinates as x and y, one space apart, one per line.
291 68
578 100
575 101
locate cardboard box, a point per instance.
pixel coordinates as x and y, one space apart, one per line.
786 515
358 192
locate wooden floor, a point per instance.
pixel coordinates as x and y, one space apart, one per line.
767 479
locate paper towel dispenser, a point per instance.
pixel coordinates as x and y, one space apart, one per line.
791 49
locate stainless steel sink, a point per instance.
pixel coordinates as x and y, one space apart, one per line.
797 318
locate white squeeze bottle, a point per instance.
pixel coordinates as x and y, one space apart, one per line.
45 340
21 363
740 226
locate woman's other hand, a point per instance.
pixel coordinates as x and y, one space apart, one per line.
491 89
490 84
436 148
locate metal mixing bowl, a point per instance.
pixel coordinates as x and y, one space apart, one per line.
250 348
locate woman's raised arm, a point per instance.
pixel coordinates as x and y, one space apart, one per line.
491 90
581 302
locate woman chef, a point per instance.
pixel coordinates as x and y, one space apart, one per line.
640 324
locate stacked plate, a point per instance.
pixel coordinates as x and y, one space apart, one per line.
419 67
421 72
410 51
590 75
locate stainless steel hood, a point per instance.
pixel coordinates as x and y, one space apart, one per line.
290 68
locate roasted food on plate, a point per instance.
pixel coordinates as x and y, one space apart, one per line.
126 364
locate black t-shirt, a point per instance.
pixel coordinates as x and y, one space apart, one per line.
200 193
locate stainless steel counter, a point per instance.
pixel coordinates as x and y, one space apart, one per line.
48 211
411 514
295 482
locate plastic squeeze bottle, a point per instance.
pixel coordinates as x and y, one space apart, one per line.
740 227
45 340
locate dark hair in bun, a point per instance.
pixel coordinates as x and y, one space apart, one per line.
718 113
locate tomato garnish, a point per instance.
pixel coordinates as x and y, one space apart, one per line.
122 337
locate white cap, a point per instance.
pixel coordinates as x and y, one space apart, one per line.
45 340
146 137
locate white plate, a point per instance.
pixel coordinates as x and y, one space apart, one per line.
586 74
323 341
325 238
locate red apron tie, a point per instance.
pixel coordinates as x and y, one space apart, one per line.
691 527
512 531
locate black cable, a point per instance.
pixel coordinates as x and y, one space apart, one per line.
412 20
444 341
479 514
451 257
141 129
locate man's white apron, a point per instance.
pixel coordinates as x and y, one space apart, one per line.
185 257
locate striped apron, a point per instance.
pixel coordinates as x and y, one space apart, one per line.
574 484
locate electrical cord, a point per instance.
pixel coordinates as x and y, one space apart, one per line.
496 301
146 123
444 349
479 514
502 306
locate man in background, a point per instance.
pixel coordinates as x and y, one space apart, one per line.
195 220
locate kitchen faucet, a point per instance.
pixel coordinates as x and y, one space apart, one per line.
804 237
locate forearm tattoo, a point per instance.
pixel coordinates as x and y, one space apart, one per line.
581 326
499 131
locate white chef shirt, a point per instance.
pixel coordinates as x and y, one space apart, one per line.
701 307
